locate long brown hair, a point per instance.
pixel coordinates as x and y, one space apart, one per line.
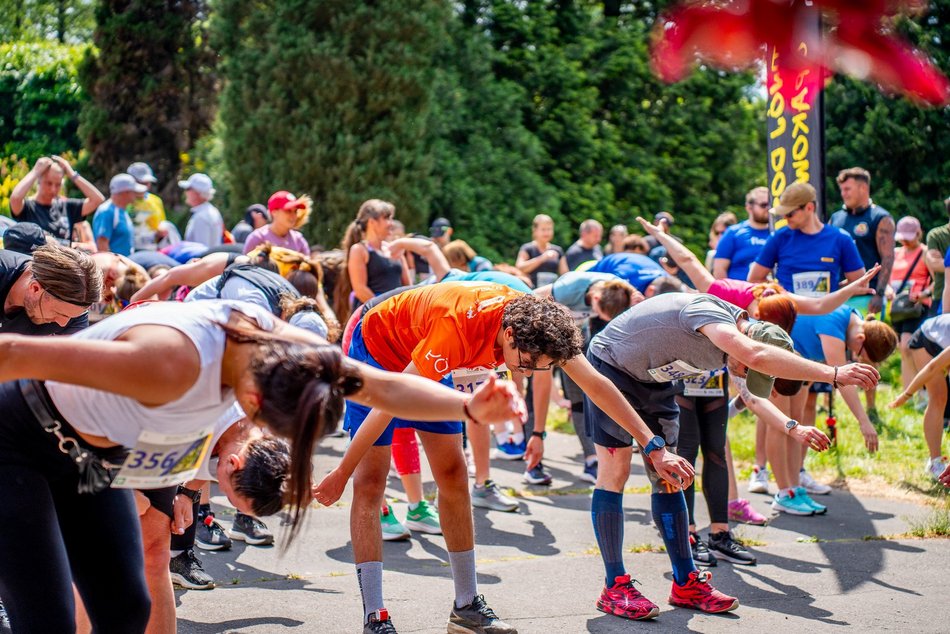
369 210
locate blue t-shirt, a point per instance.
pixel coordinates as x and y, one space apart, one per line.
479 264
637 269
946 259
571 290
740 244
495 277
114 224
808 328
810 265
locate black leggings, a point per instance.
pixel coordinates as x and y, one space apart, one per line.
703 425
52 536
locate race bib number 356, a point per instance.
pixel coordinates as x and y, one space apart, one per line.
161 460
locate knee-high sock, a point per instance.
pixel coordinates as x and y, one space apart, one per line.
669 513
606 513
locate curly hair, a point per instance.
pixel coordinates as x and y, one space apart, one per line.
542 327
263 478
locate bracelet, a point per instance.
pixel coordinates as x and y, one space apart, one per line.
834 381
468 414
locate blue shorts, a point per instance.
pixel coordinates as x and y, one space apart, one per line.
357 413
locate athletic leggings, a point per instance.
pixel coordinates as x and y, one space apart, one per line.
52 536
703 425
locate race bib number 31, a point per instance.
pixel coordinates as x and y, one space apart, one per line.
161 460
468 379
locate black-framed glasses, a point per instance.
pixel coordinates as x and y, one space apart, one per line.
795 211
530 368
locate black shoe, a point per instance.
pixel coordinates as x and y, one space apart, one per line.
701 554
477 618
251 530
538 475
723 546
210 535
186 571
379 623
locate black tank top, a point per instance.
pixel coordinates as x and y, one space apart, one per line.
382 274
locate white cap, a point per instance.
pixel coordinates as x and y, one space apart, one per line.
142 173
201 183
125 183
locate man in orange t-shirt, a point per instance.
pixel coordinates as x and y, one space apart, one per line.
433 331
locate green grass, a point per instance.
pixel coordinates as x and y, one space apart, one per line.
937 524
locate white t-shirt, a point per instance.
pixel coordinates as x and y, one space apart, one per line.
122 419
205 225
236 288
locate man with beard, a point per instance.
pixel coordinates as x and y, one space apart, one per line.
741 243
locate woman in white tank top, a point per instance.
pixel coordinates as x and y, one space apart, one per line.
163 370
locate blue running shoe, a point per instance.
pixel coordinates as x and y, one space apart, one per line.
791 504
511 451
820 509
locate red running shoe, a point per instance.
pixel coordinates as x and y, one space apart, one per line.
623 600
697 594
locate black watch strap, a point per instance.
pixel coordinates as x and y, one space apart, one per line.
540 434
190 493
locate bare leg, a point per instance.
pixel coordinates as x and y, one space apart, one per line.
156 538
933 415
479 439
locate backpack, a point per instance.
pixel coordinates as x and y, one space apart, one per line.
272 285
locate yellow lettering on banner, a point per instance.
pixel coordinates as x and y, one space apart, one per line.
778 184
778 159
801 168
779 128
800 124
774 65
777 105
800 148
776 84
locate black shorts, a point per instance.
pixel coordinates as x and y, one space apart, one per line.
909 326
920 340
163 499
654 402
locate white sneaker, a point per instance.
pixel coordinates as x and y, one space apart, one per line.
811 486
759 480
470 462
936 466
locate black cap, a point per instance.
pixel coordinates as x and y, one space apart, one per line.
438 227
24 237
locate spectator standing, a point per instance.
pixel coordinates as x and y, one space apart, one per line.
542 261
54 214
741 243
872 228
148 211
909 275
716 230
255 217
205 225
938 246
809 257
288 213
112 225
618 233
587 247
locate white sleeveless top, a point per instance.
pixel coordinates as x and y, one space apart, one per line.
122 419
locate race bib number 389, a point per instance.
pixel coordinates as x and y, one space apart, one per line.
161 460
812 283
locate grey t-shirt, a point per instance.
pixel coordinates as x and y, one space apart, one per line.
658 340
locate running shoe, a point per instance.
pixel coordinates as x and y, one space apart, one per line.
210 535
186 571
469 462
936 466
424 519
590 473
741 511
759 480
251 530
538 475
820 509
701 554
379 623
623 600
510 450
477 618
791 504
723 546
698 594
489 496
811 485
393 530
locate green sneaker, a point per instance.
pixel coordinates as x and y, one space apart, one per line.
393 530
424 519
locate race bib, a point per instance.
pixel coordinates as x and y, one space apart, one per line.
468 379
674 371
812 283
705 384
161 460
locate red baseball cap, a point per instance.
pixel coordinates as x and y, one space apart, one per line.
284 201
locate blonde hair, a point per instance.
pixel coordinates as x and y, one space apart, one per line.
458 253
303 214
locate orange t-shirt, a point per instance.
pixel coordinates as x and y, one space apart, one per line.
440 328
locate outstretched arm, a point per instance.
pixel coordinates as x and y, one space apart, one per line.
834 352
191 274
934 368
427 249
827 303
771 415
684 258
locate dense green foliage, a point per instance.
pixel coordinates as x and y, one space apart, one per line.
40 98
151 86
65 21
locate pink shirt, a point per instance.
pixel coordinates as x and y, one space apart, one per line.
294 240
736 292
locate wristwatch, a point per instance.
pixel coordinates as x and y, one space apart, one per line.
189 493
655 443
540 434
790 425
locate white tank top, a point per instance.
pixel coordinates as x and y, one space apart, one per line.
122 419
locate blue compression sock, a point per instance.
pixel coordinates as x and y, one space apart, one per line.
606 512
669 513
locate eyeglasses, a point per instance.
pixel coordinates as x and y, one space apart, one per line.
795 211
522 367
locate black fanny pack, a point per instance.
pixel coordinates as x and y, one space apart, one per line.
96 471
